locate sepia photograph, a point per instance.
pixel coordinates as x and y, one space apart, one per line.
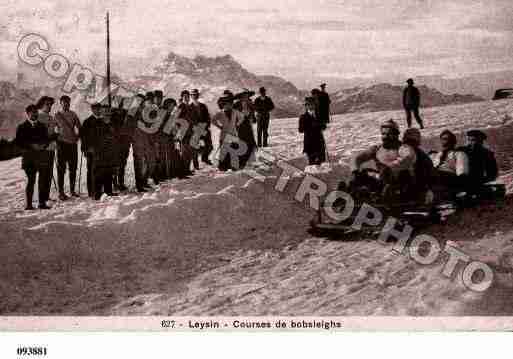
256 165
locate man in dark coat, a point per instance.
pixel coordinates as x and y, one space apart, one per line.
200 112
104 154
411 103
87 138
44 105
32 136
311 126
324 104
188 153
482 162
122 142
263 107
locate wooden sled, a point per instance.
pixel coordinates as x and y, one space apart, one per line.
410 213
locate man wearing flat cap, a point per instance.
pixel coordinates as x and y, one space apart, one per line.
482 162
202 118
32 136
411 103
263 107
87 139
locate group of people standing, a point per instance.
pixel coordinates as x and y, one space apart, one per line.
168 139
40 137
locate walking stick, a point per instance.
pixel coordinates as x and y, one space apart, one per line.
80 171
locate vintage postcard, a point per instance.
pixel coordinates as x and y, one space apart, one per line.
256 166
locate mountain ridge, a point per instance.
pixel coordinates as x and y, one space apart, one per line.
213 75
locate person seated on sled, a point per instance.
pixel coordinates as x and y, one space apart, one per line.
451 164
394 160
482 162
421 187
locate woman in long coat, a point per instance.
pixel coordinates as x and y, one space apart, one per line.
311 126
245 129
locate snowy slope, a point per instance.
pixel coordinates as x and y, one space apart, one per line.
226 244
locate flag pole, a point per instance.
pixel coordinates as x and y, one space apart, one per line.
108 61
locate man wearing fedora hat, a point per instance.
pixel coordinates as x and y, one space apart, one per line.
311 127
263 107
324 102
411 103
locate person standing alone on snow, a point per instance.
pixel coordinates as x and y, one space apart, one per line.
263 107
311 126
411 103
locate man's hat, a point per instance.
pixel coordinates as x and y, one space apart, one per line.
245 92
184 92
409 81
195 92
227 97
149 94
478 134
261 89
158 93
390 124
323 85
169 101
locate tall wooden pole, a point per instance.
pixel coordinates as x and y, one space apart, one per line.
108 62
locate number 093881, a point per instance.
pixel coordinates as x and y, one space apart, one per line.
31 351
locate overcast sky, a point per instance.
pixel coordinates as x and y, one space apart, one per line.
300 40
